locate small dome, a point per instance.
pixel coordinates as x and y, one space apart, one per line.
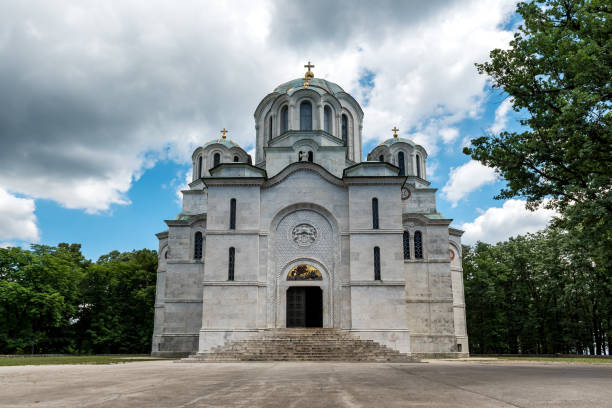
394 140
225 142
320 85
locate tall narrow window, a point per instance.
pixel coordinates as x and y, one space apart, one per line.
375 213
197 245
381 158
284 119
344 129
418 165
200 167
270 128
216 159
236 159
233 213
305 116
418 245
406 245
230 264
310 156
376 263
327 116
401 164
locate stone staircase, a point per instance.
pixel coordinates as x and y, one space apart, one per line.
302 345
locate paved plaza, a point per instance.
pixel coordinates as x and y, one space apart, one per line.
289 384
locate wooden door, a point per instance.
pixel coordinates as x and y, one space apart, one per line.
296 307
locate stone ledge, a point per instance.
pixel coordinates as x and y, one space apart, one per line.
373 283
235 283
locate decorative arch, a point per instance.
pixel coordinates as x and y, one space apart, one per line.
323 259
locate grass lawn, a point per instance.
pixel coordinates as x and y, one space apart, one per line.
561 359
21 361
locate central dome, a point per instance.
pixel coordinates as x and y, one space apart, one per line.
320 85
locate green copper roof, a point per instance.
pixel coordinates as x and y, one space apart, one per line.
225 142
315 83
394 140
435 216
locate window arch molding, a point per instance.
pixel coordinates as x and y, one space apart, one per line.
350 126
295 102
328 118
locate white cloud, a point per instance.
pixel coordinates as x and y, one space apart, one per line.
449 134
465 179
95 93
501 116
17 219
498 224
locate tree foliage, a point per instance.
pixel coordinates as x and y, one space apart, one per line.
558 72
539 293
54 300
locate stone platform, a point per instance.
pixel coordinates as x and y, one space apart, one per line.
315 344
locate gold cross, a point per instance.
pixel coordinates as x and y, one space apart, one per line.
223 132
395 130
309 65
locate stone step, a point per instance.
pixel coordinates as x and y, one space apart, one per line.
302 345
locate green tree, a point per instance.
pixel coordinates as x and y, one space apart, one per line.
39 297
557 71
118 298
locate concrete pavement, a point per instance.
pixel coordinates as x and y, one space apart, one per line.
295 384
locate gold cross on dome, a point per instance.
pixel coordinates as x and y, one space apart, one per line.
223 132
395 130
309 74
309 65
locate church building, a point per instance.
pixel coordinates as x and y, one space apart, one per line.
308 234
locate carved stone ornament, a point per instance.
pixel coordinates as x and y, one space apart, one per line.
405 193
304 235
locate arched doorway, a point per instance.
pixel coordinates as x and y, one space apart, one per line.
304 306
304 303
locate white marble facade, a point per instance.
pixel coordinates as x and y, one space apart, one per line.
308 199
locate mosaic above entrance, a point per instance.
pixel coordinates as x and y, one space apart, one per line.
304 273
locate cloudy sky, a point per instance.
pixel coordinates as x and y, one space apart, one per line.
103 102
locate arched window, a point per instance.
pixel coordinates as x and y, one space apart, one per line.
401 164
406 245
418 165
284 119
375 213
344 129
236 159
200 167
327 116
216 159
381 158
305 116
270 128
197 245
230 264
233 213
376 263
418 245
310 156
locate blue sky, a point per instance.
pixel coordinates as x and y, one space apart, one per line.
104 103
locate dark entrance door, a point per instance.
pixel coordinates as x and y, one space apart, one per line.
304 307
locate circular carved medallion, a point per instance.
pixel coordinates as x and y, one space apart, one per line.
405 193
304 235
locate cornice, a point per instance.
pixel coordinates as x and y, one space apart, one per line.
303 166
